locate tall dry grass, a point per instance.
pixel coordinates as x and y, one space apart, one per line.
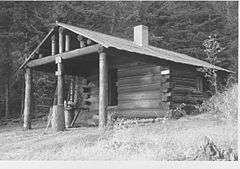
164 140
168 139
223 105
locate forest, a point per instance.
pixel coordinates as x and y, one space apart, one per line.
209 133
178 26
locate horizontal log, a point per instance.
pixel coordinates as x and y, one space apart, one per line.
130 64
43 102
187 79
141 80
140 113
42 105
182 87
184 91
140 95
150 87
135 113
154 103
184 83
136 67
185 99
142 88
139 71
64 56
189 73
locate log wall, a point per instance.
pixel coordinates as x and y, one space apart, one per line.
141 90
186 86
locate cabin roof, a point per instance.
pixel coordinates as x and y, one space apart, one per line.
127 45
130 46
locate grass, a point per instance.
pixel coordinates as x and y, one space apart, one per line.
163 140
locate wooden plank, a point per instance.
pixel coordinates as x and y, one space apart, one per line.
65 55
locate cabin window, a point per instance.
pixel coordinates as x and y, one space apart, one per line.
112 88
199 84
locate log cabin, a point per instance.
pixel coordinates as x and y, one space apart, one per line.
131 78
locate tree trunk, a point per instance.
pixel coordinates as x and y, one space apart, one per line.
27 102
7 99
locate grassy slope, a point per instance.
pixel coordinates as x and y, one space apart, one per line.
164 140
171 140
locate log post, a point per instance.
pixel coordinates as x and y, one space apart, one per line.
27 100
58 110
103 87
68 112
53 52
67 42
53 45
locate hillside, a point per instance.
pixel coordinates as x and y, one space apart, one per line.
181 139
170 140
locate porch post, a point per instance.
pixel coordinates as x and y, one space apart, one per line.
68 113
27 100
58 123
103 86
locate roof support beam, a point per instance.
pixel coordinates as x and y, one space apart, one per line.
65 55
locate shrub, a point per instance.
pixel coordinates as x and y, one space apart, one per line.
223 105
177 112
